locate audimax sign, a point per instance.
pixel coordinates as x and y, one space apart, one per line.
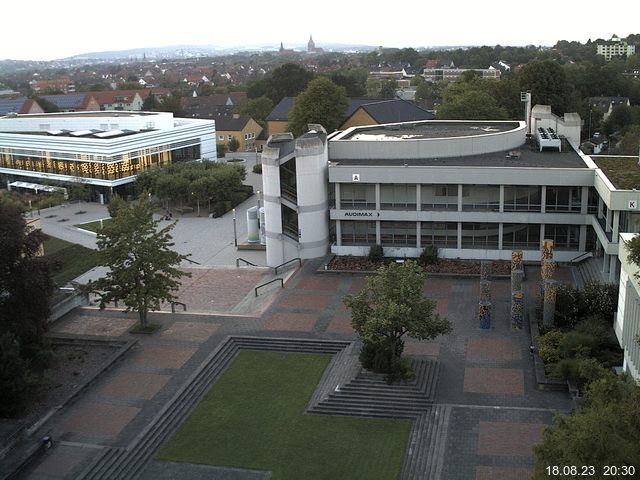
361 214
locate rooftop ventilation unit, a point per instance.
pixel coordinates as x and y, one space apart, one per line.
548 138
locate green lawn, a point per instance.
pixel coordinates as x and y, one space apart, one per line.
94 226
68 260
253 417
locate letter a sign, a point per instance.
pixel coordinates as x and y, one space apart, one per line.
355 177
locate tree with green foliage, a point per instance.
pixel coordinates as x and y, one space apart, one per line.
288 80
47 106
630 141
606 431
25 290
257 108
547 82
390 306
233 144
354 80
151 103
322 102
468 99
143 269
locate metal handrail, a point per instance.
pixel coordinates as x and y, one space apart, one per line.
287 262
245 261
255 290
579 257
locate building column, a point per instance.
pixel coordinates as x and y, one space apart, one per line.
600 205
459 197
541 232
608 221
418 197
459 235
501 208
377 196
616 226
582 241
613 264
338 233
378 233
543 199
337 193
500 232
418 236
605 263
584 201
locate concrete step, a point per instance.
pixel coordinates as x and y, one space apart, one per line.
352 411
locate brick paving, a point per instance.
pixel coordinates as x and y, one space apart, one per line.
135 385
508 438
190 331
292 322
99 419
155 356
502 473
493 349
501 381
101 326
486 375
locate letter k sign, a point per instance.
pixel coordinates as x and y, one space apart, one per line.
633 204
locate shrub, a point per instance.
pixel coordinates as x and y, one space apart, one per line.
257 168
429 255
580 371
376 253
16 379
549 347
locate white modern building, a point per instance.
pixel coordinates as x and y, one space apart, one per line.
615 48
627 320
103 149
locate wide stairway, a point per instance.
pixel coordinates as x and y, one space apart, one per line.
590 270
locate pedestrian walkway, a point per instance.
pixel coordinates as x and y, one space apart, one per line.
487 412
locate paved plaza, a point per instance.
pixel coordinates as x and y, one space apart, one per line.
486 376
486 379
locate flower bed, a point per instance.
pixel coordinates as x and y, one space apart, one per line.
442 266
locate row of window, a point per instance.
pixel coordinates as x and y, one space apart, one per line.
445 234
247 136
99 170
474 197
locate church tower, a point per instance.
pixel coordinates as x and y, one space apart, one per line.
311 46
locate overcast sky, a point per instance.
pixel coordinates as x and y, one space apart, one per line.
46 30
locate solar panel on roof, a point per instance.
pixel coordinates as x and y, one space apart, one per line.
110 133
81 133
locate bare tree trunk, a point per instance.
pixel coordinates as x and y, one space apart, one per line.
143 317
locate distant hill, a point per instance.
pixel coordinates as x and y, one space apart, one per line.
192 51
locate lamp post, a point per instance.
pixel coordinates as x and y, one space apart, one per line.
235 232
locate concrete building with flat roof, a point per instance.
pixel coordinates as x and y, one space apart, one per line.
473 189
102 149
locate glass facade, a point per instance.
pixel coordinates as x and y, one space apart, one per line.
481 198
440 234
97 166
398 197
565 237
358 195
521 236
439 197
358 233
398 234
522 198
480 235
563 199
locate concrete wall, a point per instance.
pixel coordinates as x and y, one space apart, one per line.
429 147
627 319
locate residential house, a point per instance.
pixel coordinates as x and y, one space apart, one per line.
607 104
378 111
73 102
245 129
62 84
615 47
386 111
19 105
